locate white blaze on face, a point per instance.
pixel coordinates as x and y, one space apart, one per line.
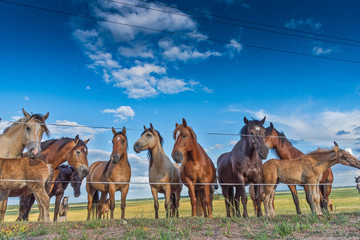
118 138
177 135
257 128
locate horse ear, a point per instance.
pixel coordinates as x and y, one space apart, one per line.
76 139
86 141
263 121
271 125
184 122
151 126
246 120
45 116
176 125
336 148
145 128
26 114
113 130
336 145
124 131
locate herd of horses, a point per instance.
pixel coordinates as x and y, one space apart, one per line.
39 173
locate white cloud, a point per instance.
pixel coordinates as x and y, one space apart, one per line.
234 47
321 51
122 112
88 88
172 86
26 98
72 128
302 23
233 142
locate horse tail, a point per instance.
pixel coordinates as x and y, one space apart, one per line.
49 180
216 186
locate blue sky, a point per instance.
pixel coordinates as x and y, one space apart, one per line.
94 73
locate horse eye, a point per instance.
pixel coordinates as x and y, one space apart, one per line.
148 135
122 141
27 128
77 152
184 135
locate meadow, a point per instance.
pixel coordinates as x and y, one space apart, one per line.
344 221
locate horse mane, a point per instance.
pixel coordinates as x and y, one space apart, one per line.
37 117
65 140
46 144
161 139
320 150
117 133
244 129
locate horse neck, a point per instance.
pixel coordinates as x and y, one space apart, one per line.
285 150
54 157
11 142
324 160
121 164
158 156
246 148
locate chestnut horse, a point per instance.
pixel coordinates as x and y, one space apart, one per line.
161 170
197 171
67 174
116 170
285 150
307 169
26 132
243 166
56 152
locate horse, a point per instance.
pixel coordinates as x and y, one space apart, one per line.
285 150
27 133
56 152
243 166
117 169
197 171
67 175
105 209
64 207
161 170
307 169
357 181
24 172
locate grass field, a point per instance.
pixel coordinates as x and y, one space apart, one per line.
344 222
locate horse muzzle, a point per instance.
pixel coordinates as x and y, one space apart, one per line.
115 158
137 147
83 171
34 150
263 152
177 156
77 193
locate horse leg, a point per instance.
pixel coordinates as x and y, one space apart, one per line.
310 197
271 203
225 192
192 198
267 199
26 203
252 196
258 199
199 207
124 193
167 191
177 202
295 197
235 201
207 201
4 194
156 201
243 200
317 199
43 201
90 201
57 206
102 203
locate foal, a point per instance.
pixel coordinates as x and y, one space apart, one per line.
161 170
307 169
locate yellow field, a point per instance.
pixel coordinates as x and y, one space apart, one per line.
344 199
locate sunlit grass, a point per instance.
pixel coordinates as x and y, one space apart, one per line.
344 199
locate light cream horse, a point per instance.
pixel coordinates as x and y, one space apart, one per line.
110 176
161 170
307 169
27 133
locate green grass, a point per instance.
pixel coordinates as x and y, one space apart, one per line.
344 200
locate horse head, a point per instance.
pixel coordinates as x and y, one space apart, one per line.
77 156
75 181
185 141
345 158
270 136
149 139
33 129
254 132
119 145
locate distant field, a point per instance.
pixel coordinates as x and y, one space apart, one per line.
344 199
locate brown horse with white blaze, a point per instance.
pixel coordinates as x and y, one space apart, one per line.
243 166
197 171
104 176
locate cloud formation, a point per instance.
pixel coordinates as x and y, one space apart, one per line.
122 112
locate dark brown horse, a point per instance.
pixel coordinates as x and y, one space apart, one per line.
197 171
243 166
55 153
285 150
67 175
357 181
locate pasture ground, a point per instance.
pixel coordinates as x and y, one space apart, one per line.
344 222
